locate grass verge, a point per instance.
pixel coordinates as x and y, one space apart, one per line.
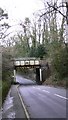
0 93
56 83
5 88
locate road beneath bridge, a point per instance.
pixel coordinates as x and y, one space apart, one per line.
39 101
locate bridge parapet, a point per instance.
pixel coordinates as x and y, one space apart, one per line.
26 62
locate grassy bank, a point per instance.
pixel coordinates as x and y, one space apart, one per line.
0 93
5 88
0 97
56 83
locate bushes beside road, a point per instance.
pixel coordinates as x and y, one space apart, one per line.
5 88
0 93
7 71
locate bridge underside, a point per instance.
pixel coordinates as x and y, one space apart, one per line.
28 66
37 67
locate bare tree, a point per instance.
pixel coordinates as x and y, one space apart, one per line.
4 26
54 7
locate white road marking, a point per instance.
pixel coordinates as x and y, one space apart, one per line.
45 91
23 105
34 87
61 96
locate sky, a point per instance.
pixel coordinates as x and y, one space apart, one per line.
19 9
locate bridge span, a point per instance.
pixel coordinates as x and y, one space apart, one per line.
29 63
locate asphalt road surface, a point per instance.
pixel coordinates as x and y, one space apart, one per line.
24 81
43 101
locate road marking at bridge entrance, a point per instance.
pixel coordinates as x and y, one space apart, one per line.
61 96
33 87
45 91
23 105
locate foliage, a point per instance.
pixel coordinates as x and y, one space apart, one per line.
60 63
32 52
38 52
41 51
7 71
7 65
42 37
0 93
3 25
5 88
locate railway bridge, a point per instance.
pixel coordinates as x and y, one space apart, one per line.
29 63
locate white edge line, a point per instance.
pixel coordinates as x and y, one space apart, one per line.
61 96
22 102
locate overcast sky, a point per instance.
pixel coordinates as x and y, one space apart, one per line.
19 9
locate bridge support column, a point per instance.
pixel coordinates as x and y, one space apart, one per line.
14 75
37 75
40 75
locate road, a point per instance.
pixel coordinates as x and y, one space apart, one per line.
24 81
42 101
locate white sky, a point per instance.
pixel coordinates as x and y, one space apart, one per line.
19 9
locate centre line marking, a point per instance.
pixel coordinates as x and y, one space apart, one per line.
46 91
61 96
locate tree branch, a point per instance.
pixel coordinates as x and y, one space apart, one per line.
56 9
